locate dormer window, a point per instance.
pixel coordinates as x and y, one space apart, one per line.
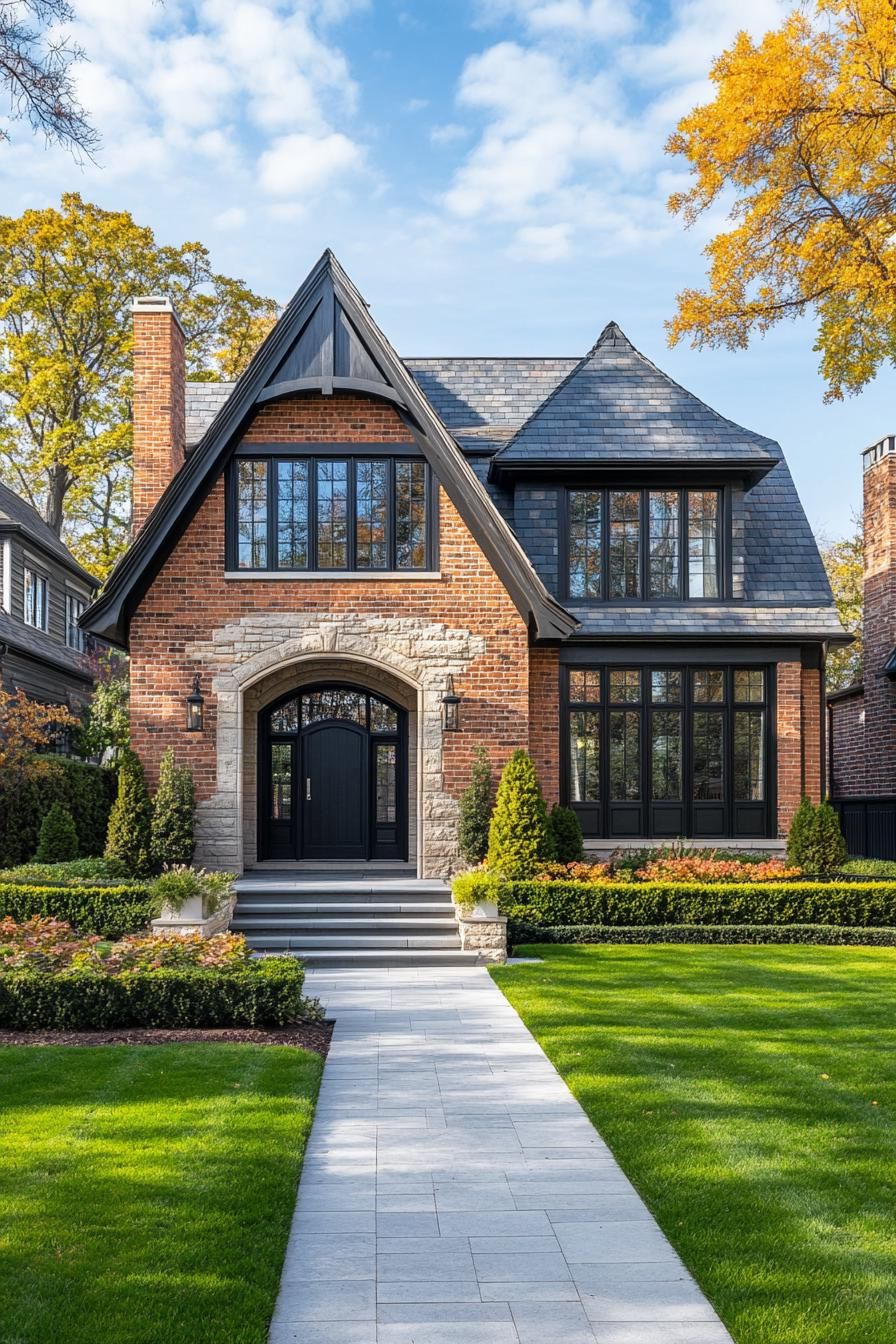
330 514
644 545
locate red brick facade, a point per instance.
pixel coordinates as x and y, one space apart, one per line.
191 598
863 724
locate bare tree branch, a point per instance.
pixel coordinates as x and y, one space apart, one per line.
36 56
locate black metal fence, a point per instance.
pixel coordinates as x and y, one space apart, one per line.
869 826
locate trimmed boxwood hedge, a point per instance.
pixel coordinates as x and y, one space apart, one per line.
834 935
856 904
267 992
110 911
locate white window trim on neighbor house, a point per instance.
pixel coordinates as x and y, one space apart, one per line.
32 572
74 635
6 594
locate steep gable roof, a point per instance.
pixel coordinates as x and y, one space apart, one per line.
325 341
616 408
18 515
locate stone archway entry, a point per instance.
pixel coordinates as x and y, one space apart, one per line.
332 776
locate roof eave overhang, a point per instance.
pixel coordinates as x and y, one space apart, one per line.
66 561
750 471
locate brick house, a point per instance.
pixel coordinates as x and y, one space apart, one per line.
862 718
366 566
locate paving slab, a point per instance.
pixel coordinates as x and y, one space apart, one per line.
454 1191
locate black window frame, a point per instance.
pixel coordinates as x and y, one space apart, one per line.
313 455
74 635
653 486
663 819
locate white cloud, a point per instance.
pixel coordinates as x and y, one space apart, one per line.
595 20
415 104
231 220
543 242
300 164
449 132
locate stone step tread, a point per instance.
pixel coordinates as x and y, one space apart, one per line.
352 917
385 957
365 909
345 926
289 886
296 941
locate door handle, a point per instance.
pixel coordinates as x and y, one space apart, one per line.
307 788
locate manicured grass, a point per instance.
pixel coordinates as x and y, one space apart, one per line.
146 1191
737 1087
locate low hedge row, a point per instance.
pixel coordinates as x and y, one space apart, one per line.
859 904
267 992
834 935
110 911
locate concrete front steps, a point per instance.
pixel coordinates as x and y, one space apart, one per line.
350 919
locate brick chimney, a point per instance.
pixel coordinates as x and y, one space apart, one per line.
879 622
159 389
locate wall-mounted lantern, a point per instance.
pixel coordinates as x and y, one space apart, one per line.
450 708
194 708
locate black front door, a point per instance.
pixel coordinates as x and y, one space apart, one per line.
335 804
332 777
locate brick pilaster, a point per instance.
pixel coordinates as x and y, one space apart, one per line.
879 623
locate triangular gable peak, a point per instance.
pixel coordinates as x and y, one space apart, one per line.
617 410
326 342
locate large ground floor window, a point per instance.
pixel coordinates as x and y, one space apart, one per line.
669 751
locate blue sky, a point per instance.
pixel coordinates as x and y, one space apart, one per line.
490 172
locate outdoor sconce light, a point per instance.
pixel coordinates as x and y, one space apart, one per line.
194 708
450 708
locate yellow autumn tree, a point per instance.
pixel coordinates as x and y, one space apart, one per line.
801 136
844 563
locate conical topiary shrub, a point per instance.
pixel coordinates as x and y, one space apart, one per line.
58 841
519 838
129 837
476 810
566 831
831 851
800 837
173 841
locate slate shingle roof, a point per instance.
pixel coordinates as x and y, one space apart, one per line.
16 512
616 404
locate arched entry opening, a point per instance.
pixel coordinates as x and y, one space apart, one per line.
332 776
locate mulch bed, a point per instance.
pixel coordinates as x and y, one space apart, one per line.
307 1035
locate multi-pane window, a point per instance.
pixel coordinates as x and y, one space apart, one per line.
679 738
333 514
629 545
585 567
35 612
74 610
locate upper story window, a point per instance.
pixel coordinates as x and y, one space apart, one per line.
74 610
36 594
334 514
632 545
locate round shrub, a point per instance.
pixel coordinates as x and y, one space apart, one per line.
58 840
567 835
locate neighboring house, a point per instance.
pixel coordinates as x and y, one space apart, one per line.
862 739
373 564
43 594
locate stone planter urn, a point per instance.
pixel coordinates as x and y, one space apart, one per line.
194 916
483 930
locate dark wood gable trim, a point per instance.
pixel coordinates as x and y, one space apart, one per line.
325 341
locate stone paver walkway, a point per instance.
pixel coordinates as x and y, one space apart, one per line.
454 1192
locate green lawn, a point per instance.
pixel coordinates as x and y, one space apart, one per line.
736 1087
146 1191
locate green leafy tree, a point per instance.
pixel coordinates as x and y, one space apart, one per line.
476 809
130 821
106 726
566 832
67 278
844 562
519 838
173 841
58 840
